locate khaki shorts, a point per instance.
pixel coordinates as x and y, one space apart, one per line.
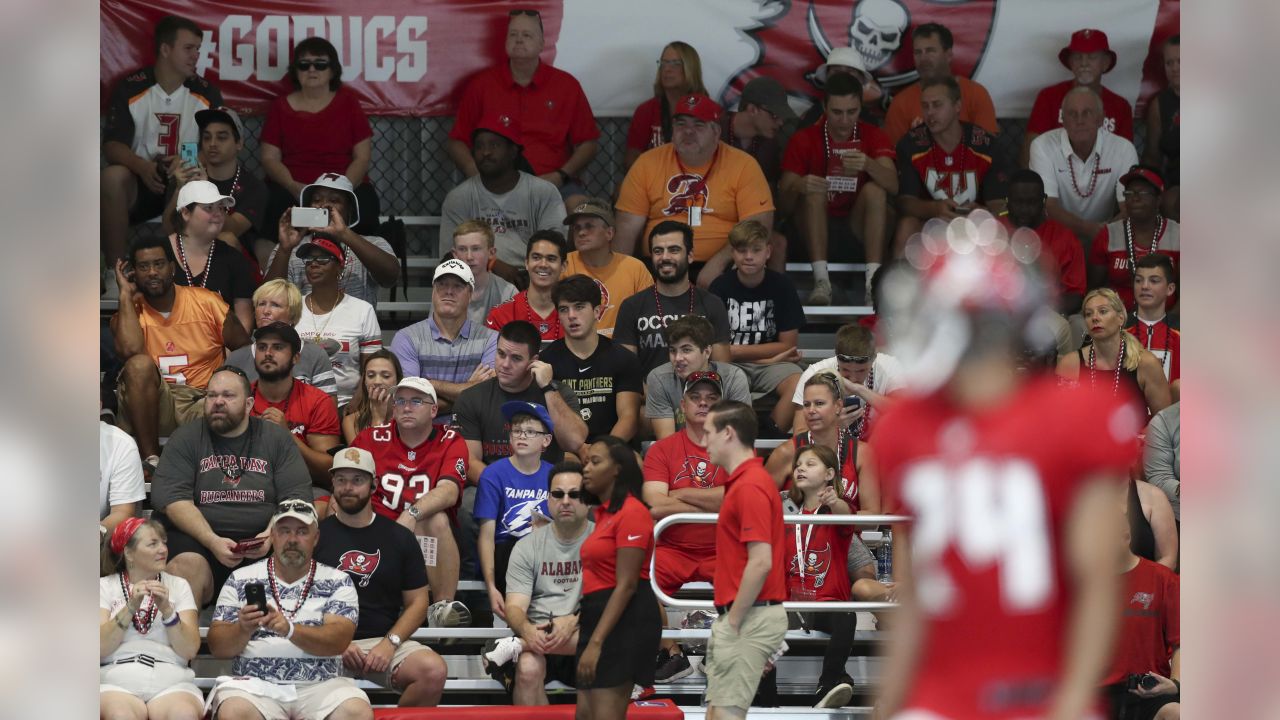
402 653
735 661
765 378
177 406
314 701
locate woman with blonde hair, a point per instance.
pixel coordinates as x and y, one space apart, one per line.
280 301
679 74
1114 358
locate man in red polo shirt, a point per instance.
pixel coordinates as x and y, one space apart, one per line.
750 581
559 130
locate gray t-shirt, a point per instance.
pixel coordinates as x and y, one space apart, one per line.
356 280
496 291
549 571
533 204
664 390
313 366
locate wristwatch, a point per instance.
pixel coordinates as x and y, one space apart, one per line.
552 386
414 512
394 639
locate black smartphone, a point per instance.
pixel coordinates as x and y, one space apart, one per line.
853 401
256 594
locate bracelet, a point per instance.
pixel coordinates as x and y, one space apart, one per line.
171 620
289 636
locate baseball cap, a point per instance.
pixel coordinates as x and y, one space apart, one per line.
501 123
457 268
334 181
203 192
355 459
420 384
222 114
593 206
704 376
281 331
843 56
1137 172
1087 41
768 94
511 408
297 509
323 244
697 106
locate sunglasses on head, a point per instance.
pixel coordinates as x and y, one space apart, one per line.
301 506
559 494
305 65
853 358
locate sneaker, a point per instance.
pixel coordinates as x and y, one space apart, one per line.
149 466
502 651
641 693
821 294
834 696
671 668
447 614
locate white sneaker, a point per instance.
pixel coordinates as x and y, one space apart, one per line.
505 650
821 294
448 613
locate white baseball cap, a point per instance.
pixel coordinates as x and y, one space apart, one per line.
355 459
420 384
297 509
203 192
846 56
334 181
456 267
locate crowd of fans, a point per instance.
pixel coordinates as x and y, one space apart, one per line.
327 494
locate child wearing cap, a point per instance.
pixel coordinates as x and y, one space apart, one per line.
510 492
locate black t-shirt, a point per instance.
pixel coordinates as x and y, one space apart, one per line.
478 415
757 314
640 324
250 194
228 274
595 381
383 561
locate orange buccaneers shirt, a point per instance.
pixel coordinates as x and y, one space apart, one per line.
187 345
729 189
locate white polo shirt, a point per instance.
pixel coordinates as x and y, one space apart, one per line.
1054 161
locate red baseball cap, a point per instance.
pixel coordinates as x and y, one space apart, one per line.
501 123
322 244
1137 172
1087 41
700 107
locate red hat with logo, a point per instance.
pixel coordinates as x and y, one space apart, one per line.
700 107
1088 40
1146 174
502 123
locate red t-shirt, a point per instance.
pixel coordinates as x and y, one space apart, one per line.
308 410
1046 113
1149 622
552 111
1110 249
751 512
990 492
818 559
848 467
407 473
1164 341
1063 258
681 463
809 152
631 526
312 144
518 308
645 131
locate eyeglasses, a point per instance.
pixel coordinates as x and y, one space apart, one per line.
301 506
416 402
559 494
854 358
318 260
305 65
525 434
1131 194
671 63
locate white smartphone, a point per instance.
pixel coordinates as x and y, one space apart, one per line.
305 217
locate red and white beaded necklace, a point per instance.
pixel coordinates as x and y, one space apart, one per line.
1093 178
208 264
275 590
147 610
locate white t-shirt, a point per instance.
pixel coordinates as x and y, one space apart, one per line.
119 469
156 642
887 370
1054 161
344 333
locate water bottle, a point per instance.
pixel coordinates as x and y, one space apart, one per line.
884 558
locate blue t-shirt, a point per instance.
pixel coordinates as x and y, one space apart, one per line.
509 497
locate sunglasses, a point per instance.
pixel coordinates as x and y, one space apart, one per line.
853 358
559 494
301 506
305 65
318 260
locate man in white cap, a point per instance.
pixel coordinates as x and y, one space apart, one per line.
448 347
370 262
287 659
385 563
847 61
420 470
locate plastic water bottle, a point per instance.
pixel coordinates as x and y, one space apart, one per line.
884 558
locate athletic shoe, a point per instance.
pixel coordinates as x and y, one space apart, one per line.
149 466
501 651
641 693
834 696
871 273
821 294
672 667
447 614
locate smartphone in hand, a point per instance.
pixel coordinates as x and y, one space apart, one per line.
188 152
245 546
305 217
256 594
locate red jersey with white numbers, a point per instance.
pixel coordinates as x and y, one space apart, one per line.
407 473
990 493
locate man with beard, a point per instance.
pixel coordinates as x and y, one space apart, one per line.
1063 256
643 317
219 481
310 415
384 562
170 338
287 659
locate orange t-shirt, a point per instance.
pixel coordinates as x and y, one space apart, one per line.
623 277
187 345
659 189
975 107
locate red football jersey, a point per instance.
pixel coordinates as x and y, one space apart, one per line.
990 492
751 512
812 152
1164 341
518 308
407 473
1110 249
817 561
308 410
976 170
680 463
1149 622
631 526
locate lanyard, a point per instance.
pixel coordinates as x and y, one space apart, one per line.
699 187
803 549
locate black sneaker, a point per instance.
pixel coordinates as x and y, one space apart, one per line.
834 696
672 667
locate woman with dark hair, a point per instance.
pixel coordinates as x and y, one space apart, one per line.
147 629
620 627
679 74
371 404
316 129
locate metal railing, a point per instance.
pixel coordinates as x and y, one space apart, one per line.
803 606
